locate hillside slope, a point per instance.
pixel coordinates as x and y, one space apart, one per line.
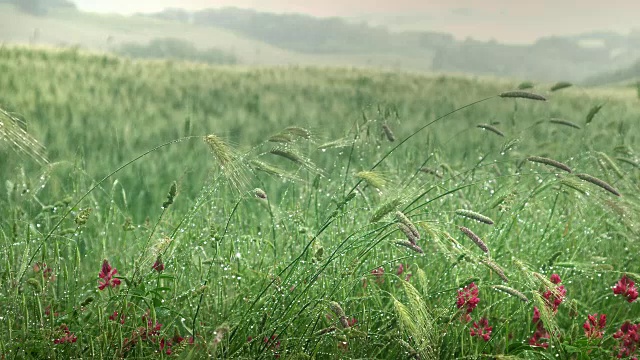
108 32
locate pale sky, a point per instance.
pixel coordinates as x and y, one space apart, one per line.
504 20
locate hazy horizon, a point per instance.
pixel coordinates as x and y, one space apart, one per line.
501 20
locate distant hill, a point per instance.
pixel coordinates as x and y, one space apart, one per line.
628 75
253 38
551 58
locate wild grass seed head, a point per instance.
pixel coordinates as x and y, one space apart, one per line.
565 123
511 291
560 85
518 94
496 268
411 246
491 128
594 180
388 133
592 113
550 162
409 228
475 238
475 216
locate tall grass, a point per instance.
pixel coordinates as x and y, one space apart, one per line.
255 242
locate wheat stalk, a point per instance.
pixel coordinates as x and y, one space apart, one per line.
230 162
372 178
19 139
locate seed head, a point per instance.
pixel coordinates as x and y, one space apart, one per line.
388 133
475 239
259 193
599 183
522 95
565 123
491 128
475 216
550 162
511 291
410 245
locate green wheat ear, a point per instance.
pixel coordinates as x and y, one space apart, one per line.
372 178
231 163
19 140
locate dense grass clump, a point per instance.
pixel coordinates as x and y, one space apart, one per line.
191 211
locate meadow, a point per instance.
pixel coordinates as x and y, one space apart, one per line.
177 210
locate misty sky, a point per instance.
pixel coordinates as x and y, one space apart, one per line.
504 20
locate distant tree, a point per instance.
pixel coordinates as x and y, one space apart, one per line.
40 7
35 7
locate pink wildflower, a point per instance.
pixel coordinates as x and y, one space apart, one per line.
351 322
106 274
67 337
629 340
540 333
594 326
114 317
468 299
627 288
482 329
555 297
379 275
158 265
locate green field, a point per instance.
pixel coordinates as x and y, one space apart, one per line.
160 162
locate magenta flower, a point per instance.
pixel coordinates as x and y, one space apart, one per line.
629 340
540 333
115 317
468 299
594 326
555 297
165 344
378 274
482 329
67 337
106 274
158 265
351 322
627 288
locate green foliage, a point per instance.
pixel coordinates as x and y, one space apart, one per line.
253 274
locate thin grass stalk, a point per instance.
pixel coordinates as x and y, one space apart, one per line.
95 186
